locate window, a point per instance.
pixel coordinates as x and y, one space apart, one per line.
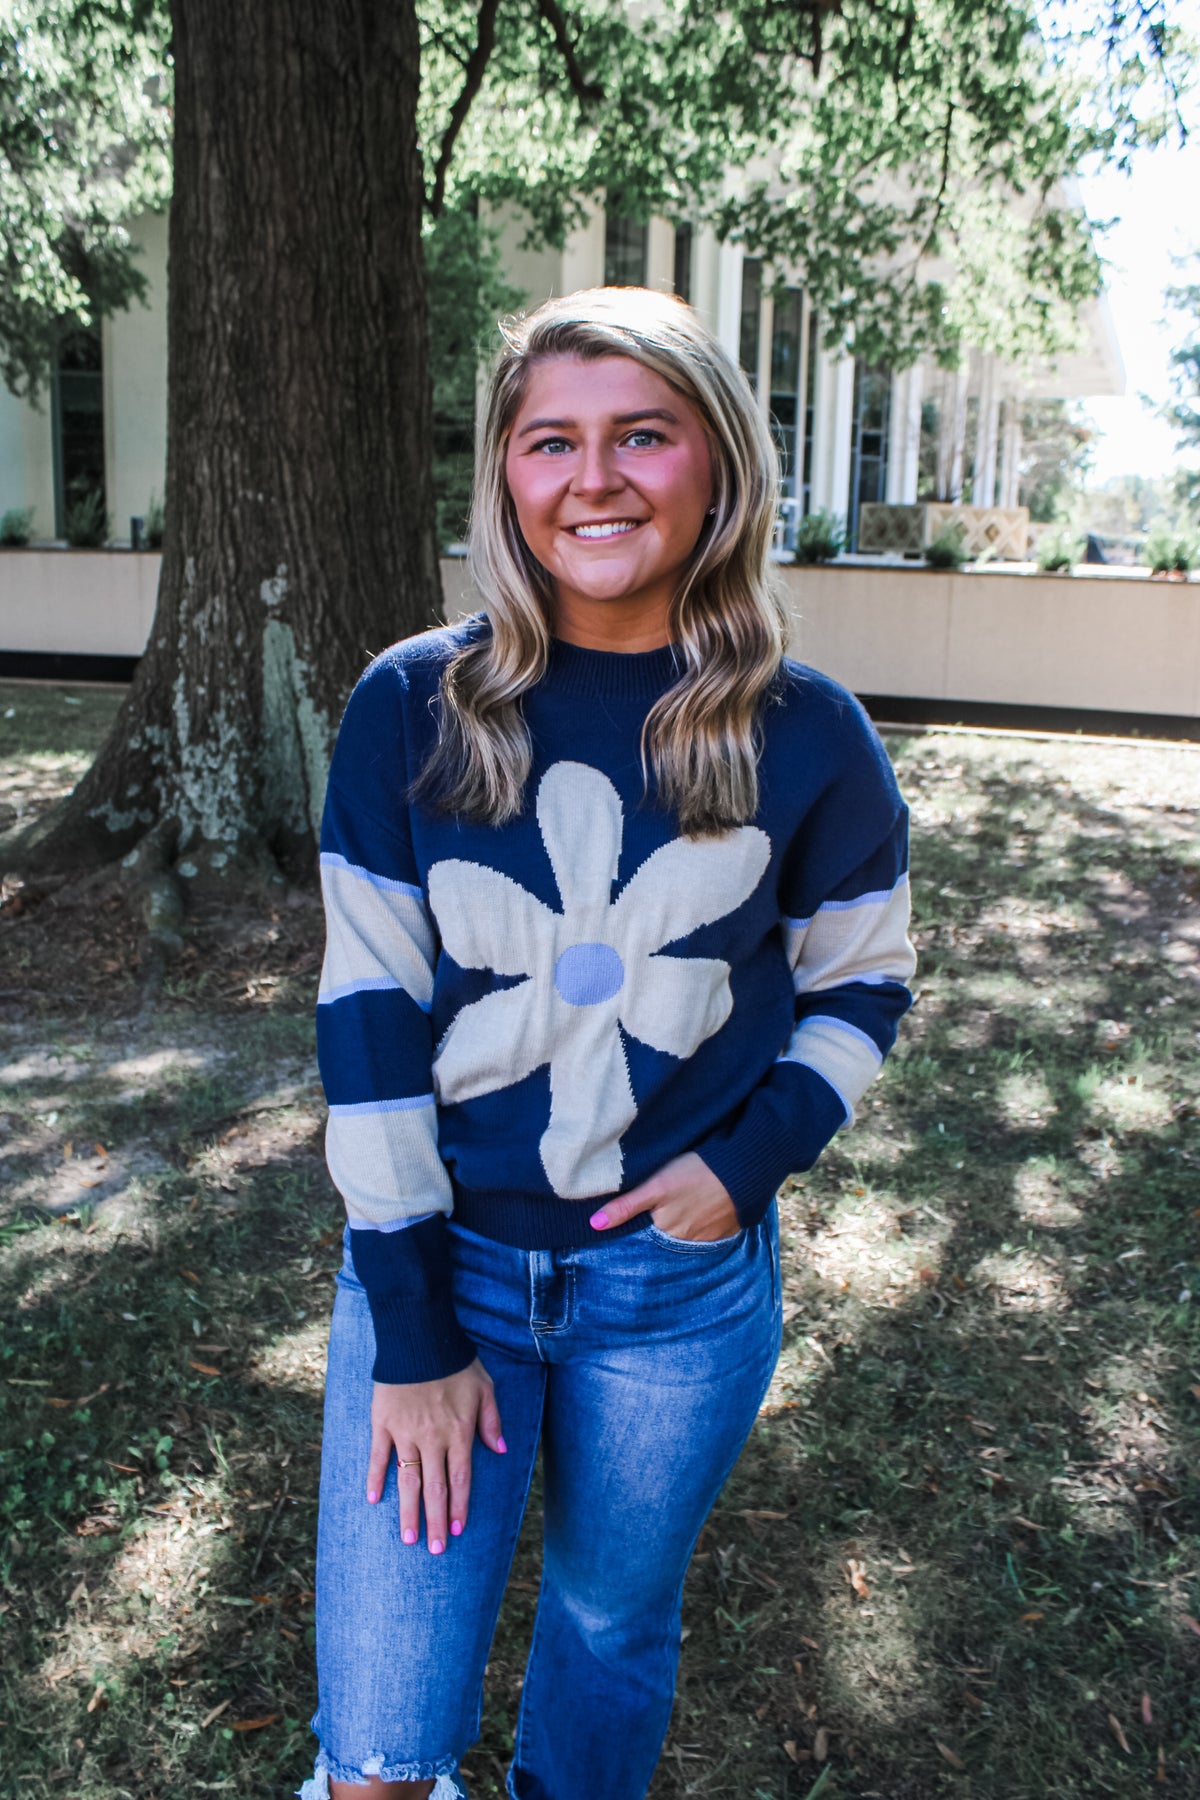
868 440
788 321
77 414
810 414
751 317
683 262
624 252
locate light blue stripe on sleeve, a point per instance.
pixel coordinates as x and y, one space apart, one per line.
363 1108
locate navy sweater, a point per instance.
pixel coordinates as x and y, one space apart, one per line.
514 1022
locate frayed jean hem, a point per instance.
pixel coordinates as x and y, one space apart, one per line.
374 1767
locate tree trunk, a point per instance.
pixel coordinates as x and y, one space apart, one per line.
299 506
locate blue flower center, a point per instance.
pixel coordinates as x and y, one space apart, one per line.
588 973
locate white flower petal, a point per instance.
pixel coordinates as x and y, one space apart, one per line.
487 920
579 812
493 1043
673 1003
685 884
591 1106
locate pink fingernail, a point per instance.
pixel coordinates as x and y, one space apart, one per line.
436 1548
456 1528
372 1495
501 1446
410 1536
599 1220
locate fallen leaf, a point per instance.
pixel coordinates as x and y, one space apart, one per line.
78 1592
204 1368
821 1744
809 1644
1194 1390
98 1701
951 1756
1029 1618
51 1401
125 1468
1147 1710
1118 1733
189 1274
99 1150
1191 1623
256 1724
1019 1519
751 1513
792 1749
1160 1773
68 1150
856 1575
797 1665
216 1712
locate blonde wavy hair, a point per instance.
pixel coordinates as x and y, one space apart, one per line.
701 737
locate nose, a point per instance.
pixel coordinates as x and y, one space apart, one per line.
595 474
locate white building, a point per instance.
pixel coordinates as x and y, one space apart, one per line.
847 434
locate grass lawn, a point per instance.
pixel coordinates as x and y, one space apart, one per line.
960 1554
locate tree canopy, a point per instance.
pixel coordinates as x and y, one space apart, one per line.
905 159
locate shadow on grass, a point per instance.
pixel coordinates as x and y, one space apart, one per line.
959 1548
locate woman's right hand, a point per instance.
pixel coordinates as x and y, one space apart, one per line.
431 1426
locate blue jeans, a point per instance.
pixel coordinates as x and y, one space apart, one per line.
639 1364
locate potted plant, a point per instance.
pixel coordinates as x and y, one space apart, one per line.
87 522
16 527
948 550
1170 553
1058 551
820 536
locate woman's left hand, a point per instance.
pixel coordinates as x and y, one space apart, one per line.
684 1199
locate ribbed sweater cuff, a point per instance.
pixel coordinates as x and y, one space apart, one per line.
774 1136
407 1277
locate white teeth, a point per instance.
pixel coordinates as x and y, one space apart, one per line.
617 529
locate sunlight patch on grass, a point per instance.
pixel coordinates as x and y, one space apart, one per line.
1038 1196
1025 1099
1024 1281
297 1359
870 1658
1139 1102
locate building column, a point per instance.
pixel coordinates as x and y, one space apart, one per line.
660 255
833 409
706 277
952 433
983 487
904 437
583 254
766 333
1010 455
729 297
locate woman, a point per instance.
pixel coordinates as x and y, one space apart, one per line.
617 910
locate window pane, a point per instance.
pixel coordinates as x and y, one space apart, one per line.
683 261
751 306
624 252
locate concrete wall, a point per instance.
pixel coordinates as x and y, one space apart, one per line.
1106 644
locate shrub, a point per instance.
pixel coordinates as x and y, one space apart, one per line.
1057 551
1169 552
87 521
16 526
154 524
820 536
948 550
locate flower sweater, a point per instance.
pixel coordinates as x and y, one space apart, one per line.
515 1021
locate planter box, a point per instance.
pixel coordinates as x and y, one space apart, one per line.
998 531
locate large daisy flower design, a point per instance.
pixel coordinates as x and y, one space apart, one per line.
596 965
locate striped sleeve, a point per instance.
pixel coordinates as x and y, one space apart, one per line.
851 960
375 1049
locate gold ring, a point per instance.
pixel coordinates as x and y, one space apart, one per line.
414 1464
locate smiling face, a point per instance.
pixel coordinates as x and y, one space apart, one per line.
611 476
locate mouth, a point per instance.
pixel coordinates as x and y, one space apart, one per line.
607 528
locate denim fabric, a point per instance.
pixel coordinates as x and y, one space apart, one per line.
639 1365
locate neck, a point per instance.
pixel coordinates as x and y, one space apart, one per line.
614 625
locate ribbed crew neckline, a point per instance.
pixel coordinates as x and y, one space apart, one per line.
611 674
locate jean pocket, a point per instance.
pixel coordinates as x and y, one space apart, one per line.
694 1246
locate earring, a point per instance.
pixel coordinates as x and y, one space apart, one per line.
712 512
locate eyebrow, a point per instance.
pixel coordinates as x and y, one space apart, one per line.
632 418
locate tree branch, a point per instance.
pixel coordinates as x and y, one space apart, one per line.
477 62
585 91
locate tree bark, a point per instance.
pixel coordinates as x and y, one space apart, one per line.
299 505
